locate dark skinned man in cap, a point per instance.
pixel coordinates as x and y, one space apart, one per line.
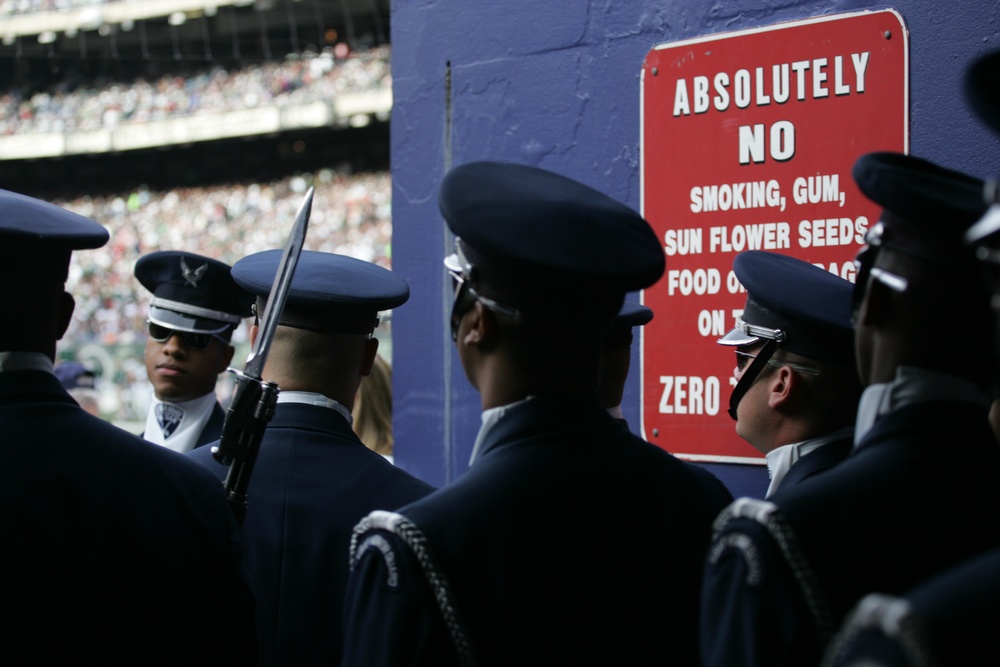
194 309
950 619
797 388
916 495
115 552
569 540
314 479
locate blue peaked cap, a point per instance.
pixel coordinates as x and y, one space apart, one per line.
630 315
29 219
921 197
329 292
73 374
809 305
37 238
192 292
633 315
531 232
982 88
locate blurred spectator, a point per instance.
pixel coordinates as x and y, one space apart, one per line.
373 409
81 383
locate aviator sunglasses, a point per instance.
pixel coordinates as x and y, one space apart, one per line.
865 269
460 270
744 358
197 341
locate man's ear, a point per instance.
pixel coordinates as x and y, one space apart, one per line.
480 325
780 387
368 358
66 306
228 351
254 330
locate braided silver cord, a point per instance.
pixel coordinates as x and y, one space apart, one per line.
894 618
406 530
769 516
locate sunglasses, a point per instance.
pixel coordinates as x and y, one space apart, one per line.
865 268
744 358
196 341
460 270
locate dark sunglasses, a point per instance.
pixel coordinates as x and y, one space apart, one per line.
864 261
196 341
866 270
743 359
460 270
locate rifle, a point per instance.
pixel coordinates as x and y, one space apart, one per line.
254 399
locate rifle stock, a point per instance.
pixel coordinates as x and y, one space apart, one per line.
249 413
254 399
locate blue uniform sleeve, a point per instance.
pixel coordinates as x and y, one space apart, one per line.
752 610
390 615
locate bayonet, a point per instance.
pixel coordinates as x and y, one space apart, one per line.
254 399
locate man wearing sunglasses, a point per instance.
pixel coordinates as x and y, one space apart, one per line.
797 388
950 619
917 494
194 309
569 540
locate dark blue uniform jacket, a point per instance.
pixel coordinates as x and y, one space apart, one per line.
116 551
915 497
312 482
569 541
817 461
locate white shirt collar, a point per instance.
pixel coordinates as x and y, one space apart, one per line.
196 413
315 398
911 386
25 361
490 418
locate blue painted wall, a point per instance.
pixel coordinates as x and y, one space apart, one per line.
556 84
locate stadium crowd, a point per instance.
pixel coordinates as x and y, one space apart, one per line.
15 7
102 104
350 215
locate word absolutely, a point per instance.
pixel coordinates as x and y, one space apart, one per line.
799 80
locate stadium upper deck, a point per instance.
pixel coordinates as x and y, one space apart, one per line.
232 110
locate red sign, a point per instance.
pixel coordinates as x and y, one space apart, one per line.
748 140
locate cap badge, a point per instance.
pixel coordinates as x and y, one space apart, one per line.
191 277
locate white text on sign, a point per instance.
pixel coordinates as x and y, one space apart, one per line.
822 232
689 395
744 88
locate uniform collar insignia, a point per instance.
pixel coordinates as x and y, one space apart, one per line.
169 417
